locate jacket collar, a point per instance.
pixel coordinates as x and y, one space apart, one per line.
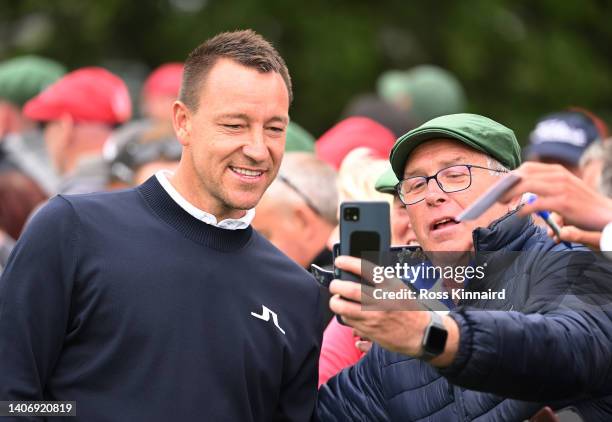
508 233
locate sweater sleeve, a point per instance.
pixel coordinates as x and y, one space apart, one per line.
35 293
558 348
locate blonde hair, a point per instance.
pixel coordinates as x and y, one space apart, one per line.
358 174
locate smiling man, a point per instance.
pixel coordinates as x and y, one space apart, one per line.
538 343
161 302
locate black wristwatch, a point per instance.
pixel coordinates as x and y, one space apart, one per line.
435 337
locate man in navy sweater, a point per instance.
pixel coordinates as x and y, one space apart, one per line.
161 302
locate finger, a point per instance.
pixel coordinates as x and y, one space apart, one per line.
363 346
542 203
349 311
361 337
347 289
349 263
364 269
541 185
557 219
575 235
570 234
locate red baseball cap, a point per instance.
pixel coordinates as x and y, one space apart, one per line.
352 133
165 80
89 94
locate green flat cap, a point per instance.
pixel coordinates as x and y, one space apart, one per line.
298 139
24 77
478 132
386 182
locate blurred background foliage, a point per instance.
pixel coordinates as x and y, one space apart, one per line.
518 59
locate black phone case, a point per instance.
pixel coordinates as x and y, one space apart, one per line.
373 223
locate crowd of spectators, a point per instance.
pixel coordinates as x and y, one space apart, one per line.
537 353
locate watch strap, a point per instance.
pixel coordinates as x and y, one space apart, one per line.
437 322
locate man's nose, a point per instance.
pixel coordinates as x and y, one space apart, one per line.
434 194
256 149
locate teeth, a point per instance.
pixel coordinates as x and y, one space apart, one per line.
246 172
446 220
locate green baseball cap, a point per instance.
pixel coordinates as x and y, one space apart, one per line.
478 132
24 77
298 139
386 182
392 84
434 92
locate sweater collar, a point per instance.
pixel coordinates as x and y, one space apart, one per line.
169 211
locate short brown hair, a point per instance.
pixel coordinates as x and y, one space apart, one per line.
245 47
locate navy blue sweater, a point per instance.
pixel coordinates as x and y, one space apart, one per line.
127 304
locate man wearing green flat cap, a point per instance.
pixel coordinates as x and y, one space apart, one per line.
401 229
507 347
22 78
464 154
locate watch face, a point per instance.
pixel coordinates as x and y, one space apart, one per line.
436 340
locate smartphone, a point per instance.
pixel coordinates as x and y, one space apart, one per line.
365 228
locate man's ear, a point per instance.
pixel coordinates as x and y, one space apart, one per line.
304 219
181 120
66 124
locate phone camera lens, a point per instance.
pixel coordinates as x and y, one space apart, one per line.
351 214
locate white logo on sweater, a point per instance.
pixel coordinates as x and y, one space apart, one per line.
265 316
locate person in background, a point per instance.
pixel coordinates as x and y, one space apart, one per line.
19 196
21 141
141 147
299 210
563 137
80 112
299 139
298 213
381 111
351 133
142 157
591 164
159 91
422 92
401 229
358 174
161 302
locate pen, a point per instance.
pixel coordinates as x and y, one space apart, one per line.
547 219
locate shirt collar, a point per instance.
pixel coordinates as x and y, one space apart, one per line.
229 224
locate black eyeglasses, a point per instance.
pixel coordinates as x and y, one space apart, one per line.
449 179
300 194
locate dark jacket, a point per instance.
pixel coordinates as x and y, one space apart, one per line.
542 344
